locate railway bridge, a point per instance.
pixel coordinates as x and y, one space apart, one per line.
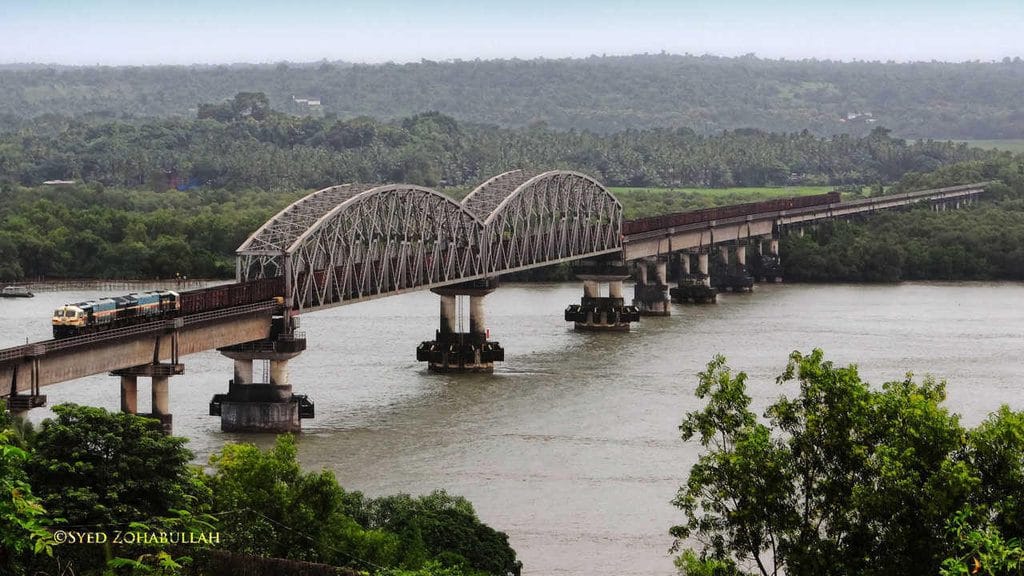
355 242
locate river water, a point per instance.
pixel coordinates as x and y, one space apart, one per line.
571 447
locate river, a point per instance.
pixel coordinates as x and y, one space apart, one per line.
571 447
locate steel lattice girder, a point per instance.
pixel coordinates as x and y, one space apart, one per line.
551 217
483 200
354 242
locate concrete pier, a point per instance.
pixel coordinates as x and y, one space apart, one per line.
160 378
733 276
596 313
773 253
130 394
25 378
651 298
161 396
254 406
455 351
767 267
695 288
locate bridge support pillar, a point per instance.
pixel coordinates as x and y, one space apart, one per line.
130 394
161 397
252 406
455 351
279 373
243 371
695 288
651 298
734 277
773 251
767 267
18 402
596 313
159 375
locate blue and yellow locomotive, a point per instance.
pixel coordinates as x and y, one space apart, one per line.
86 317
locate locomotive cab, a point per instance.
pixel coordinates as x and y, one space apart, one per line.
68 320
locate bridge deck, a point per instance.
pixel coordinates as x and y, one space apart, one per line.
703 234
53 361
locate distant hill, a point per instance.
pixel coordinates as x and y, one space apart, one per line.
604 94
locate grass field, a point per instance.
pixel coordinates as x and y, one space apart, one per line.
1016 146
640 202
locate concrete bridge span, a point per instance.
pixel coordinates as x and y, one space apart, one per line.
151 350
768 223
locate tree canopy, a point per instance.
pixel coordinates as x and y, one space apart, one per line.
844 478
89 471
242 144
600 94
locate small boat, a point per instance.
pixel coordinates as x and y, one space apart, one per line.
15 292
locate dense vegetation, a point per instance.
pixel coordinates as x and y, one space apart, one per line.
845 478
90 471
243 143
90 231
176 197
602 94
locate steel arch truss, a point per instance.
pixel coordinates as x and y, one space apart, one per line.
485 198
353 242
281 231
548 218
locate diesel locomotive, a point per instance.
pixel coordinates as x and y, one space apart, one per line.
118 311
93 315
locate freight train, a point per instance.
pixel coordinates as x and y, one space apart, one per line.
642 225
119 311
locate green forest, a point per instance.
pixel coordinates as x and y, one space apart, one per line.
707 94
176 197
245 143
89 471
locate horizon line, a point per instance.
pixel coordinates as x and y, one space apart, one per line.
456 60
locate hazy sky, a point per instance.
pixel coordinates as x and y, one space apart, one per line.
191 31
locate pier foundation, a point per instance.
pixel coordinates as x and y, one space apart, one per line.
768 267
651 297
265 402
733 276
596 313
695 287
454 350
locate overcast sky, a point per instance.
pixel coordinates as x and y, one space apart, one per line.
211 31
